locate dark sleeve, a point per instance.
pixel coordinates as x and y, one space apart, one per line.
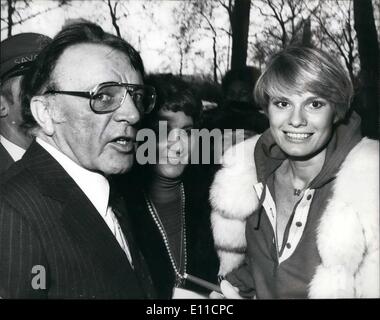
242 278
21 257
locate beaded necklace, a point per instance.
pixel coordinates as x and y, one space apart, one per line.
156 218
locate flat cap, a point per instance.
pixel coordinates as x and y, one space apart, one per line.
18 51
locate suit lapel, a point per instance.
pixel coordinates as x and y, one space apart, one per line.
54 181
80 218
5 159
88 229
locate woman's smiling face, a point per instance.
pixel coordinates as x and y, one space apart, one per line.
301 124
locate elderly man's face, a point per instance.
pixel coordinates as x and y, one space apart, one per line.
98 142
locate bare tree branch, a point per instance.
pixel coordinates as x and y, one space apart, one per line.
114 9
343 41
338 46
225 31
279 19
208 22
272 34
113 17
228 8
33 16
18 14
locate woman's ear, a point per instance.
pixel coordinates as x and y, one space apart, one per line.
39 107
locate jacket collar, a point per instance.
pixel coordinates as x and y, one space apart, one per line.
54 180
5 159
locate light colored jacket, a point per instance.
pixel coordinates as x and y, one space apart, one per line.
347 235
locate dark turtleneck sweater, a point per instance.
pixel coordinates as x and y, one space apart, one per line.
165 194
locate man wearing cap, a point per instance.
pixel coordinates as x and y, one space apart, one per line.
64 232
17 54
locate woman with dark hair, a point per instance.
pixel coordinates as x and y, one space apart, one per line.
171 208
295 210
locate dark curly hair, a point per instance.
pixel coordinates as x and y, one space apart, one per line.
175 95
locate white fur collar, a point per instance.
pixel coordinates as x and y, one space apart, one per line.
348 234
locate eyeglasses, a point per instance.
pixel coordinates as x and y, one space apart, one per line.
107 97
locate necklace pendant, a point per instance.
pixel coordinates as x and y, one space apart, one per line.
179 281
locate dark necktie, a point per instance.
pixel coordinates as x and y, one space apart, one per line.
115 213
116 201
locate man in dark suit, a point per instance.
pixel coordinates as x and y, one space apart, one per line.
17 54
63 233
5 159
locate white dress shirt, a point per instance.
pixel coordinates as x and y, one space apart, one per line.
14 150
96 187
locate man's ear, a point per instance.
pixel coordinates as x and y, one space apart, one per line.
4 107
39 107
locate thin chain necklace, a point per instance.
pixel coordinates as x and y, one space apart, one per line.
183 253
297 192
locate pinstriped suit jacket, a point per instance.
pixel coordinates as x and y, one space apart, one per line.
46 220
5 159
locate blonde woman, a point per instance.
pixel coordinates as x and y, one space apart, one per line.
295 211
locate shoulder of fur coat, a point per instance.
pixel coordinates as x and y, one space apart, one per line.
233 199
348 234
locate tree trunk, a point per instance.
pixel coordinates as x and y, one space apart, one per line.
240 27
181 62
215 60
11 10
306 33
369 66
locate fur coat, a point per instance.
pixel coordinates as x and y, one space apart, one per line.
347 235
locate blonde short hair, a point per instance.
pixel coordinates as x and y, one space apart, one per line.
301 69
